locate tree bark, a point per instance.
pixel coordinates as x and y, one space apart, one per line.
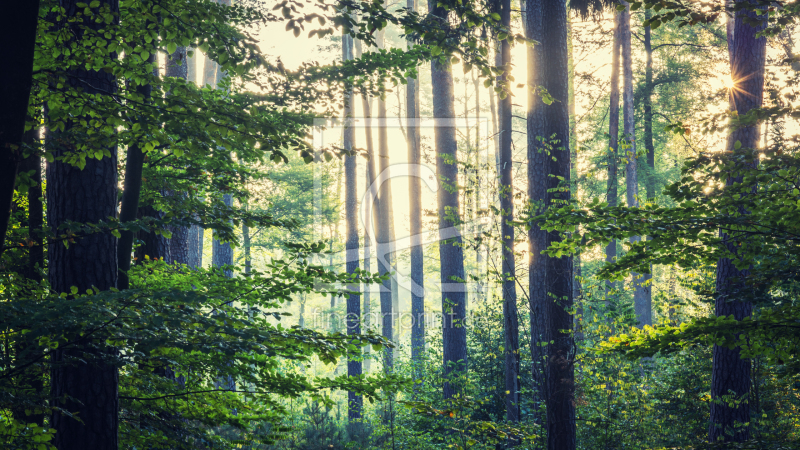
355 402
510 319
131 192
18 26
88 388
730 372
641 298
613 142
551 278
222 253
178 67
451 254
415 220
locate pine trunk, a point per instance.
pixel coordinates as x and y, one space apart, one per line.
451 253
730 375
641 297
551 278
612 186
415 221
82 375
510 319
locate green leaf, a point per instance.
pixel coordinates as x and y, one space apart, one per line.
172 47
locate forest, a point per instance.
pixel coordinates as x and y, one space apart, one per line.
385 224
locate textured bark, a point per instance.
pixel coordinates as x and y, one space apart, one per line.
641 298
613 141
88 388
510 319
730 375
551 278
415 221
18 26
451 254
178 66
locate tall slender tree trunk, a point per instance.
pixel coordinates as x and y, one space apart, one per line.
510 319
355 402
129 207
538 167
730 376
551 277
222 253
641 303
82 376
613 141
415 220
650 174
573 145
451 253
385 231
18 31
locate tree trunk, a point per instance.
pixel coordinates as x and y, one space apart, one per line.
178 67
731 373
510 319
451 253
415 221
550 276
612 185
222 253
89 388
641 297
385 231
129 207
355 402
650 180
18 31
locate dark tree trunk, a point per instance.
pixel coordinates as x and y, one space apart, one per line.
551 278
89 388
18 31
451 253
731 373
510 319
415 221
131 192
355 402
195 247
613 141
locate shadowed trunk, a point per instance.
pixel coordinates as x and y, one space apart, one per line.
730 375
510 319
89 388
551 277
415 221
451 253
18 31
641 297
